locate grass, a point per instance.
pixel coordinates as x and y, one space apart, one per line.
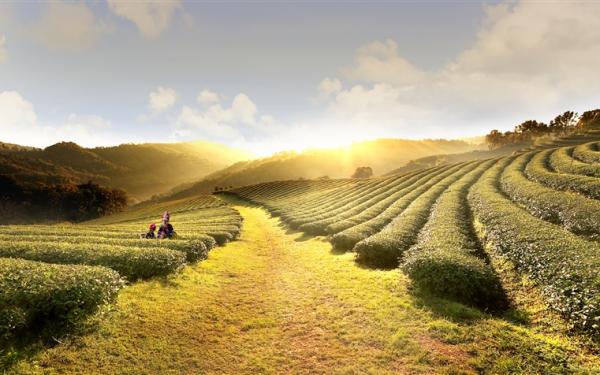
277 301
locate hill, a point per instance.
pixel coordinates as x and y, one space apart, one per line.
142 170
382 155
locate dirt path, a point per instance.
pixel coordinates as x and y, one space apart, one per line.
272 302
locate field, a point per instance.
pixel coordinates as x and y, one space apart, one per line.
539 208
485 266
53 276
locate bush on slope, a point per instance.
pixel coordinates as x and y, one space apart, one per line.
384 248
588 152
34 293
563 265
446 259
562 161
537 170
133 263
373 219
575 212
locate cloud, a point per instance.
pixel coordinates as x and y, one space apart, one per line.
234 124
207 97
194 123
67 25
243 109
380 62
161 99
3 53
151 18
529 60
328 87
17 113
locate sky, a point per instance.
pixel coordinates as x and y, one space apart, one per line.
268 76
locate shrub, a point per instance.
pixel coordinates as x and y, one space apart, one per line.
316 223
562 264
131 262
576 213
386 247
537 170
34 293
452 273
194 249
445 261
588 152
372 219
562 161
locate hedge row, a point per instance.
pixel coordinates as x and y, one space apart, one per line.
316 224
562 161
35 294
588 152
131 262
343 199
384 248
194 249
563 265
537 170
371 224
311 206
388 201
446 259
575 212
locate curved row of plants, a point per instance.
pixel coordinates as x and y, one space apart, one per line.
57 274
539 208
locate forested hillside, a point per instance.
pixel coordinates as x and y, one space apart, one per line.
141 170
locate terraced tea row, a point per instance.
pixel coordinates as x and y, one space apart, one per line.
540 208
73 269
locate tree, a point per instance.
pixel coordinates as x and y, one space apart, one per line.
531 128
563 123
494 139
363 172
589 119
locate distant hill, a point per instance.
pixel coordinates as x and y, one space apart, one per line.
382 155
142 170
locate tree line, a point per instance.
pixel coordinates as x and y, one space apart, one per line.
57 202
563 124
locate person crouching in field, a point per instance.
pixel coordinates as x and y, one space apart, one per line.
166 229
150 233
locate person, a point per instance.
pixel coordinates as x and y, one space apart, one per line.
171 232
150 233
166 231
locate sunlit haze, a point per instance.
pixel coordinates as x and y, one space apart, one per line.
272 76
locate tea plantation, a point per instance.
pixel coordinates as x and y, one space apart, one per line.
58 274
539 208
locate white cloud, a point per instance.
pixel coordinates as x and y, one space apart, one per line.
161 99
207 97
233 124
3 53
151 18
328 87
243 109
19 124
380 62
529 60
194 123
16 114
67 25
